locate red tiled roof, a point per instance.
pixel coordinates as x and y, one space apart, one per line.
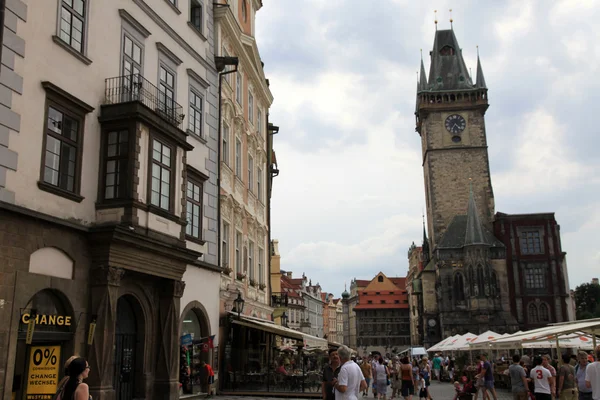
392 299
361 283
400 282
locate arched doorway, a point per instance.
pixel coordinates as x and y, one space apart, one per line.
129 344
51 343
195 349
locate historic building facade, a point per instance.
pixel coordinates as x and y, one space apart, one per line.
107 189
244 162
465 283
382 316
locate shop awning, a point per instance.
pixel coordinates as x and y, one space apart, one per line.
313 342
269 327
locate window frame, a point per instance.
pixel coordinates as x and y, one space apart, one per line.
76 109
524 241
168 70
225 245
261 272
105 158
195 92
81 55
250 173
535 275
250 107
251 271
259 188
126 34
238 88
225 144
239 243
197 180
259 121
533 317
238 158
173 169
199 4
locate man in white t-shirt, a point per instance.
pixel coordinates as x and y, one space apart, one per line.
350 380
592 376
543 380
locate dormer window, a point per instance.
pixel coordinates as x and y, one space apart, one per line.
447 51
380 278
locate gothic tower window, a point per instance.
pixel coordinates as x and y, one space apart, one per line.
494 284
532 313
480 280
459 288
447 51
472 283
544 313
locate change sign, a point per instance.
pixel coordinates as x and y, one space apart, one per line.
42 376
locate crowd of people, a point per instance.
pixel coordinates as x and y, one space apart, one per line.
530 376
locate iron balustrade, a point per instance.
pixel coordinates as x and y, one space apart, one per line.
279 299
134 87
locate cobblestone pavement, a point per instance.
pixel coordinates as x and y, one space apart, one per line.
439 391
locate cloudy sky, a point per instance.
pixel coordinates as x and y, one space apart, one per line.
349 199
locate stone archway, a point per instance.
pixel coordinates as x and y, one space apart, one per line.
194 328
129 349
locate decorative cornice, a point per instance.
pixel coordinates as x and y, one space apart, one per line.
192 74
49 87
134 23
171 32
165 50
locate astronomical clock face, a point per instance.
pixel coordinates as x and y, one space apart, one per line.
432 323
455 124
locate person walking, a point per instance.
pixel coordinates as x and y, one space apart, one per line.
518 379
487 374
350 380
395 379
61 385
592 376
567 389
585 393
437 366
76 389
547 363
407 379
380 377
543 380
367 371
330 372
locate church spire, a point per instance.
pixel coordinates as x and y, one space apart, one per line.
422 76
480 81
474 234
425 245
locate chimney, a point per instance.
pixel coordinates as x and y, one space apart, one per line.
595 281
289 274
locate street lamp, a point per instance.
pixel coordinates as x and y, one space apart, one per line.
284 319
239 304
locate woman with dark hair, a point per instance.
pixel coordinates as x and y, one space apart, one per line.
63 382
75 389
408 380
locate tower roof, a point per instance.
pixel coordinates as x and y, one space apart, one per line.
448 70
474 233
480 81
422 77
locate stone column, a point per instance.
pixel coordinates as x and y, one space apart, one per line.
104 293
166 385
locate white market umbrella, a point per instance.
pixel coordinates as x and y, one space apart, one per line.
460 343
437 346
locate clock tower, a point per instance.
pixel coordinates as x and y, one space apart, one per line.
450 113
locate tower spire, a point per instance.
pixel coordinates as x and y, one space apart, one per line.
480 80
451 20
474 233
435 18
425 245
422 77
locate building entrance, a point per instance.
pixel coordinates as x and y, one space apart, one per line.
128 341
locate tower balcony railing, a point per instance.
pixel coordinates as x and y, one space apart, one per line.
279 299
135 88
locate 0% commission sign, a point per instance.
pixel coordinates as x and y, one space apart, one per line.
42 376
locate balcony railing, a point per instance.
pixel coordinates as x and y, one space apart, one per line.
129 88
279 299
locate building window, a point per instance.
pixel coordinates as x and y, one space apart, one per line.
238 158
195 117
132 57
259 121
225 145
63 149
380 278
244 11
162 167
116 165
530 242
196 14
72 23
544 313
259 187
250 108
238 88
459 288
225 245
532 313
535 277
261 272
238 252
480 282
194 194
166 91
251 260
250 173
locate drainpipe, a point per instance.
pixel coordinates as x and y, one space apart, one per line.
221 63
